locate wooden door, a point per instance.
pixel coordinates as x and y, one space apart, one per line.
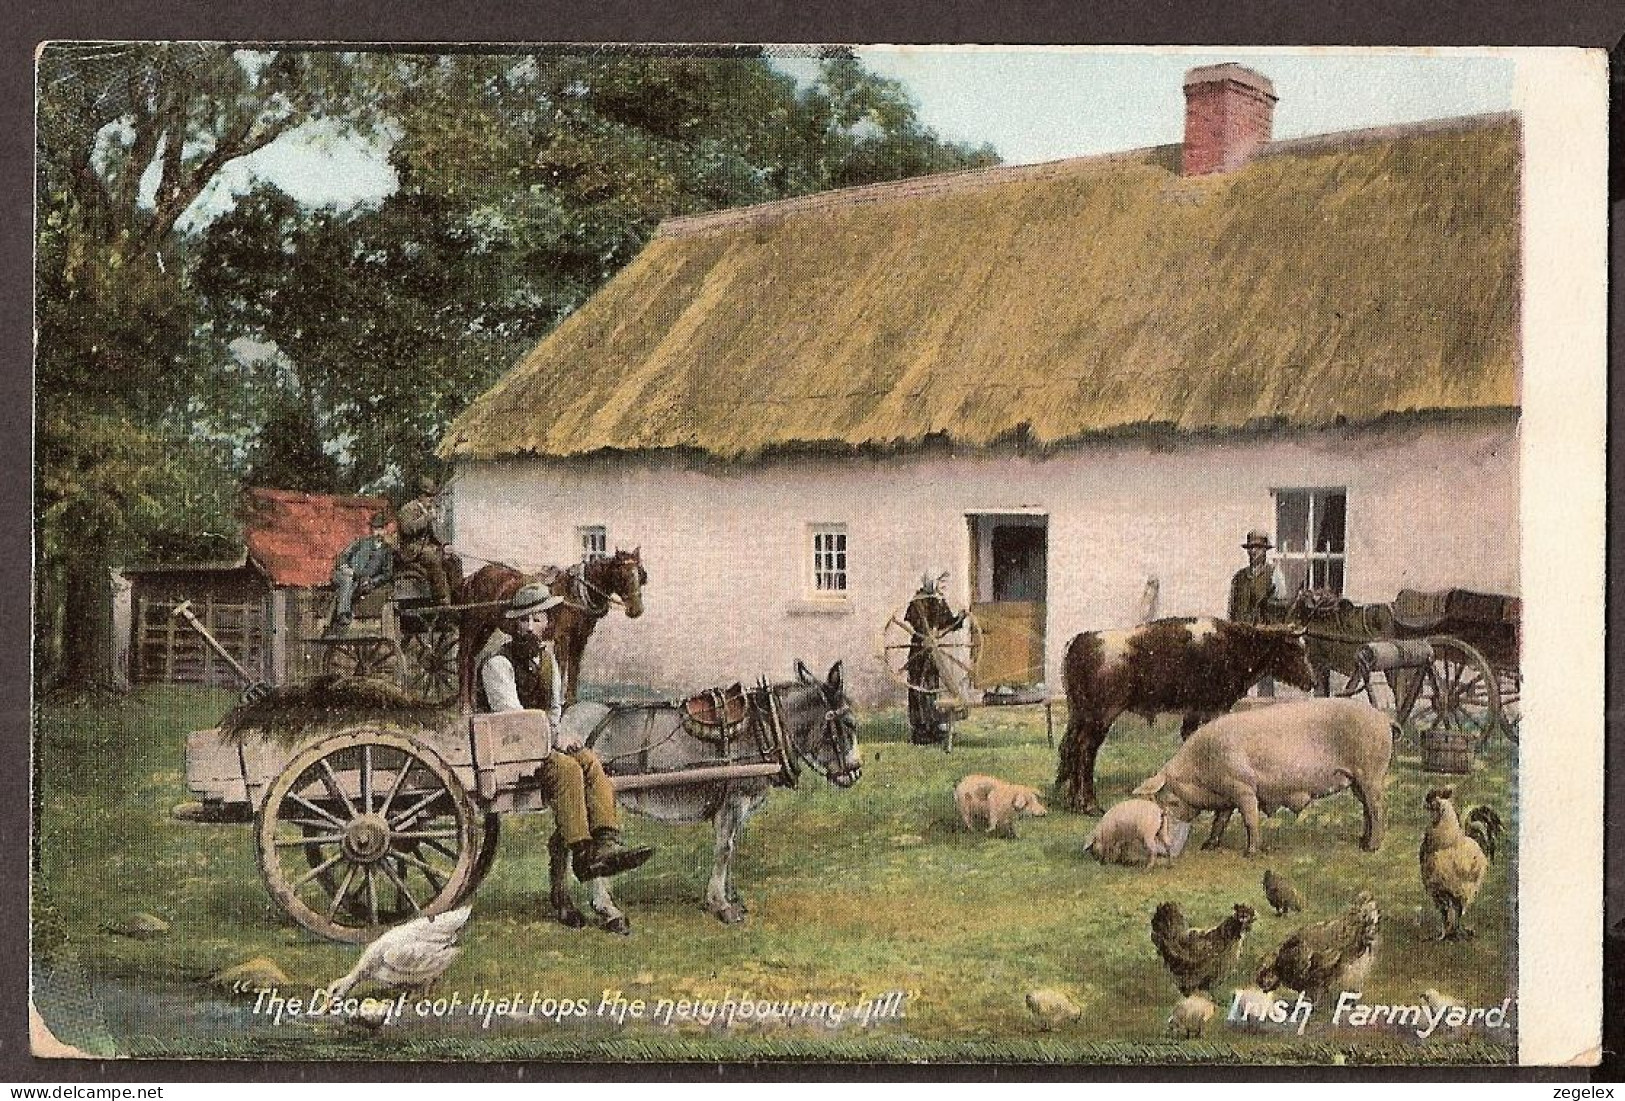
1009 572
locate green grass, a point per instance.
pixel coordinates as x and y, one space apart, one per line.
852 894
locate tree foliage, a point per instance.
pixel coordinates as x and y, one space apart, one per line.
129 137
526 181
327 349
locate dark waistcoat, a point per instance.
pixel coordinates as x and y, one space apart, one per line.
532 677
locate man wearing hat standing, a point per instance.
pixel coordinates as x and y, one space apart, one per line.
518 672
1254 587
1256 584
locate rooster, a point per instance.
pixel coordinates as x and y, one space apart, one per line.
1454 858
1198 959
1328 955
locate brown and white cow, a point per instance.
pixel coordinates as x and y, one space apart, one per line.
1199 667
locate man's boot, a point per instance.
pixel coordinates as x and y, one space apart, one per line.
604 855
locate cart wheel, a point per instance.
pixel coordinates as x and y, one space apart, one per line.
393 908
431 662
364 830
365 657
489 834
1461 695
1510 686
961 647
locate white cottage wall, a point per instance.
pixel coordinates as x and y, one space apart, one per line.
728 546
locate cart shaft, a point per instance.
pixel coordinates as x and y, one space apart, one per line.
693 776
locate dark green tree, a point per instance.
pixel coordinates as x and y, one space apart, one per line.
526 181
129 137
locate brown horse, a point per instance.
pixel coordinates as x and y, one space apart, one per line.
589 589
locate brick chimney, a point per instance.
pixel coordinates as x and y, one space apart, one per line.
1229 110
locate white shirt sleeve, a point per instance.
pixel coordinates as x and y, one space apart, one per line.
496 677
1278 584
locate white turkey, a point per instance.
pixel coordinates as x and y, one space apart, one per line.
412 955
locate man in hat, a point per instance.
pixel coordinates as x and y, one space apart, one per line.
1258 583
363 566
518 672
929 672
1257 588
420 545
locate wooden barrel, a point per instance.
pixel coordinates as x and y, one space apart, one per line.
1446 751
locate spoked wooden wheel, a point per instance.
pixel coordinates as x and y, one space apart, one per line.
431 662
365 830
959 648
394 907
490 833
1461 695
364 657
1509 683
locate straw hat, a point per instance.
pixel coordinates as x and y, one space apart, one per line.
531 598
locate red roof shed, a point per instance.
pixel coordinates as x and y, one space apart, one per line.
294 537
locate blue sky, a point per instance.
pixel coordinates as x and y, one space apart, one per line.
1036 104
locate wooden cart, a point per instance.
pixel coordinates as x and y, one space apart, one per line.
379 822
400 633
1448 659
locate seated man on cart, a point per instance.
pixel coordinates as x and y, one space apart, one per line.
364 565
518 672
421 548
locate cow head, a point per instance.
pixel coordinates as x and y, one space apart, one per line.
1285 657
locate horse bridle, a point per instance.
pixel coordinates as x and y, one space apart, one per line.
589 590
835 718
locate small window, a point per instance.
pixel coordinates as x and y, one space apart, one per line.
829 559
594 542
1311 537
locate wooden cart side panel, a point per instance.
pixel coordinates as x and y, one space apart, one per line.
508 747
489 754
214 769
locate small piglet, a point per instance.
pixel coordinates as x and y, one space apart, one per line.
997 803
1137 831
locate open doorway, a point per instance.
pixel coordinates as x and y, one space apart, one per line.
1009 591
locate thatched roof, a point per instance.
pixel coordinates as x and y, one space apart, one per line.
1347 278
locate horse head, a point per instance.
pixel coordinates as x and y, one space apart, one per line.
823 727
1310 604
623 576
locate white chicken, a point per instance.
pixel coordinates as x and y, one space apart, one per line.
412 955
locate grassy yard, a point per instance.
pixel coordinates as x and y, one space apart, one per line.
852 895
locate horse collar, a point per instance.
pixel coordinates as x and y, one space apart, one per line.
585 591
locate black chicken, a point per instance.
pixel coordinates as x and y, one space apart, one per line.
1198 958
1283 896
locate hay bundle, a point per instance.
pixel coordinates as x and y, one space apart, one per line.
291 714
